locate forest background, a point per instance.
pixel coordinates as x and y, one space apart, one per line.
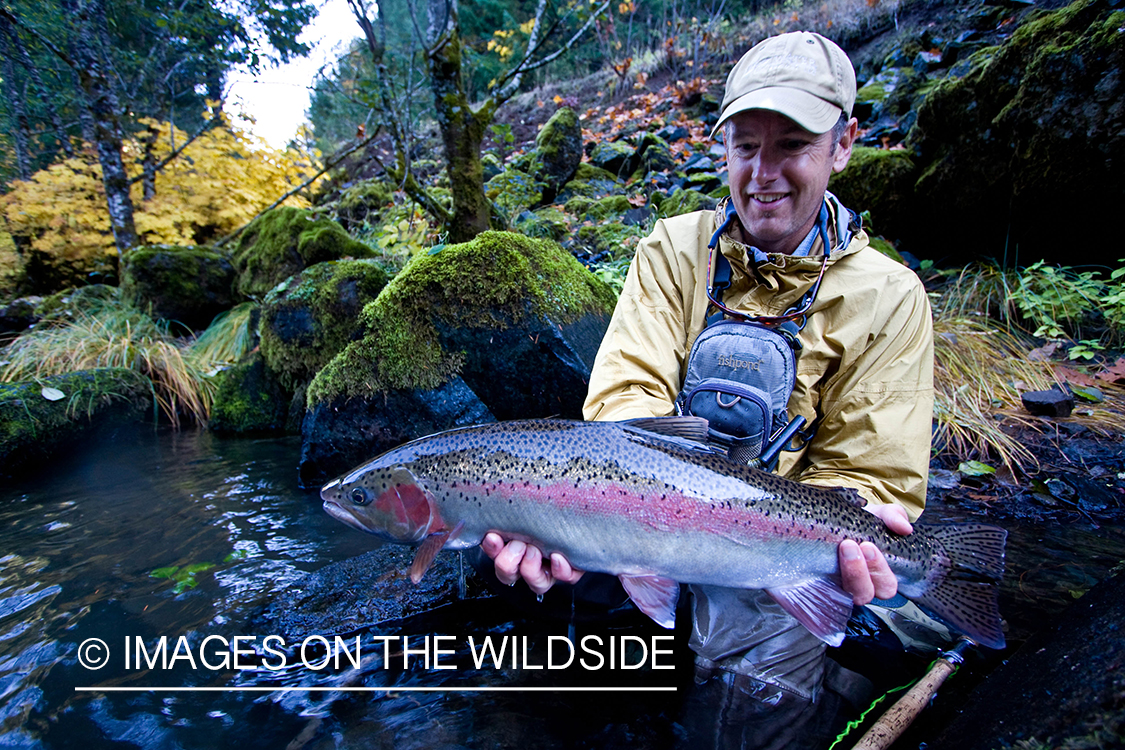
115 137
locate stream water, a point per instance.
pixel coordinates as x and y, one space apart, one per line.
188 535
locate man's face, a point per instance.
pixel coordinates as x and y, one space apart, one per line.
778 174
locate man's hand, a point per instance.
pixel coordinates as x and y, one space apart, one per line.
864 571
515 560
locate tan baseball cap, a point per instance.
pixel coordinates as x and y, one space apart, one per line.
802 75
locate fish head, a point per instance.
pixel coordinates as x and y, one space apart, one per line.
386 501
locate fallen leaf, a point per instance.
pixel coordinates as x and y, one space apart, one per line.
1073 376
975 468
1044 352
52 394
1115 373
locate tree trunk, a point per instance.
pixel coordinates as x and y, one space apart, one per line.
15 100
462 129
90 37
18 50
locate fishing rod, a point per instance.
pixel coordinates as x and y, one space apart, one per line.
899 716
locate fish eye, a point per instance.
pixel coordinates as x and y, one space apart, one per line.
360 496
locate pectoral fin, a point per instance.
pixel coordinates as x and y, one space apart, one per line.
426 553
653 595
820 605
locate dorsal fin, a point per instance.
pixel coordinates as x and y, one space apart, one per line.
687 428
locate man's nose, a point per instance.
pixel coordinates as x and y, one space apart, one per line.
767 165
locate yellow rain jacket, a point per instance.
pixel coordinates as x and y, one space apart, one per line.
865 374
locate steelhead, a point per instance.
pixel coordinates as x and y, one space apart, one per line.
647 501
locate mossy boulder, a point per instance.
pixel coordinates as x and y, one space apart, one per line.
83 300
19 314
362 203
612 156
286 240
185 285
685 202
589 182
548 222
558 151
514 191
1035 119
880 181
308 318
249 399
35 426
502 327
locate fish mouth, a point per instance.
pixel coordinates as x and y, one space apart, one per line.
340 513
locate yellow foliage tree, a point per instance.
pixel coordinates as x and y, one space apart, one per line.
217 184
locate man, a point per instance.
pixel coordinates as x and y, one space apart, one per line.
864 375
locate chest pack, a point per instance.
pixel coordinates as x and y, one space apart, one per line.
739 378
742 369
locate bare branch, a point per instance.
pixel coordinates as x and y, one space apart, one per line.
526 64
172 156
334 161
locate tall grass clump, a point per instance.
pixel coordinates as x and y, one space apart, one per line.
115 335
225 341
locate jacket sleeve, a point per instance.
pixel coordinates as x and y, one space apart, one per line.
637 370
876 413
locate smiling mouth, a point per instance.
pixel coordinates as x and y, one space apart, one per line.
768 198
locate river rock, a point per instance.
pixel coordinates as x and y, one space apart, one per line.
187 286
373 589
36 423
502 327
341 433
1065 687
249 399
1039 117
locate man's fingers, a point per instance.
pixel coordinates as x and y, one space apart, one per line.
492 544
854 575
537 577
884 583
508 562
562 570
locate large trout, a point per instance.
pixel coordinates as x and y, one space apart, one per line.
647 501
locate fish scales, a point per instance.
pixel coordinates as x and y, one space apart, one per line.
617 498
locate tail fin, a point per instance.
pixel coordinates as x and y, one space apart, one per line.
965 591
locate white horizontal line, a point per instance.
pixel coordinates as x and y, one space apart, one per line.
322 689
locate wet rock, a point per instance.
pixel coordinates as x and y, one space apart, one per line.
35 426
1064 688
501 327
187 286
373 589
1037 117
249 399
340 434
611 156
1050 403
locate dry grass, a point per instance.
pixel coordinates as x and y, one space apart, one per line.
225 341
115 337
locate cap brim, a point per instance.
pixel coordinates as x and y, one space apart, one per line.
810 112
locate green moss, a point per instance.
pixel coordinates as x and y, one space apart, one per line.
310 317
33 427
497 280
611 237
513 191
248 399
83 300
589 182
685 202
281 242
548 222
879 181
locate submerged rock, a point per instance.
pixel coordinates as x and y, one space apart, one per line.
373 589
1064 688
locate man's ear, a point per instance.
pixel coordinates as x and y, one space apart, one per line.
844 146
